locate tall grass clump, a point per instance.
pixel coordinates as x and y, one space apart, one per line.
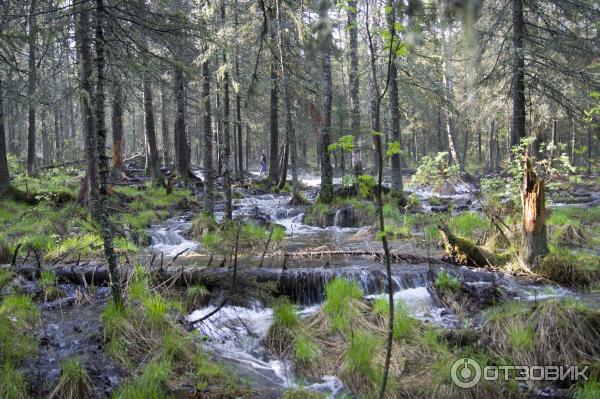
340 295
74 382
359 357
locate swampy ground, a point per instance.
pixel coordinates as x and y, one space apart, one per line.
289 300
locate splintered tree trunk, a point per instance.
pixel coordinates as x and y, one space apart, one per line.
118 162
4 177
354 83
208 142
535 245
326 193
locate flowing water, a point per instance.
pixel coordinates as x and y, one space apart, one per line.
234 333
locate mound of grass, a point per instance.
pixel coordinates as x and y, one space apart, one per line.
588 390
469 224
74 381
554 332
203 224
359 358
573 269
356 213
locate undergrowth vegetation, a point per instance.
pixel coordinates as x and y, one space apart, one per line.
161 357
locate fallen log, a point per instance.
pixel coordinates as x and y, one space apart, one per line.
464 252
302 285
397 257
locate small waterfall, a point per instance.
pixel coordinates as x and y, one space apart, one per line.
336 219
168 239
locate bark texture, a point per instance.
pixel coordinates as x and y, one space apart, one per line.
518 72
535 243
326 193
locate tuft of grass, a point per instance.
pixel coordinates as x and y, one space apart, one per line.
404 323
306 350
520 337
203 224
359 356
6 277
285 315
13 384
21 310
339 294
445 282
74 381
469 224
588 390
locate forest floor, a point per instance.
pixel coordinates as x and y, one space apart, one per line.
304 314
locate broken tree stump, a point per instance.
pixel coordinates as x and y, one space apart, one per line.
535 242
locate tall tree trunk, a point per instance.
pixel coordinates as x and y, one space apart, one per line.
448 94
182 144
103 219
535 245
354 83
397 186
290 145
518 72
166 141
490 145
238 105
208 141
589 149
274 138
31 88
4 176
326 193
91 185
46 145
247 146
58 136
226 133
152 146
118 161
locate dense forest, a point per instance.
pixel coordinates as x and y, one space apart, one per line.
290 199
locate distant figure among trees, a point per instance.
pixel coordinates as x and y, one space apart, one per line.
263 163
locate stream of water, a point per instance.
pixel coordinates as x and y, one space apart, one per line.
234 334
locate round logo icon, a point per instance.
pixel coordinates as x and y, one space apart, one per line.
465 372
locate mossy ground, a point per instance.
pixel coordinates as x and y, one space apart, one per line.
65 231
